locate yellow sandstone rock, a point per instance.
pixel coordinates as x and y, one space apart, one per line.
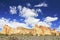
37 30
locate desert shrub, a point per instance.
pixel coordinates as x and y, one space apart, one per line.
54 34
13 38
36 34
27 34
3 34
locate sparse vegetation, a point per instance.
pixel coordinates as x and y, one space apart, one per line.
28 37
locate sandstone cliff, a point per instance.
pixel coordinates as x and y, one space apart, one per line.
37 30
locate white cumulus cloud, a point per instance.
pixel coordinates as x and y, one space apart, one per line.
19 8
13 10
13 24
3 21
30 17
38 10
32 21
41 5
50 19
44 24
58 29
26 12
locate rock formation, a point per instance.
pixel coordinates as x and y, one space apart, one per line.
37 30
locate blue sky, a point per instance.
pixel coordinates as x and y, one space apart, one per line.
48 12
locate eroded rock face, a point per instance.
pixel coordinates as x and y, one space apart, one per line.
6 29
37 30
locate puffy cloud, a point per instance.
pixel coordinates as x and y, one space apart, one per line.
41 5
3 21
38 10
32 21
26 12
58 29
19 8
28 4
13 24
29 21
13 10
30 17
44 24
17 24
50 19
